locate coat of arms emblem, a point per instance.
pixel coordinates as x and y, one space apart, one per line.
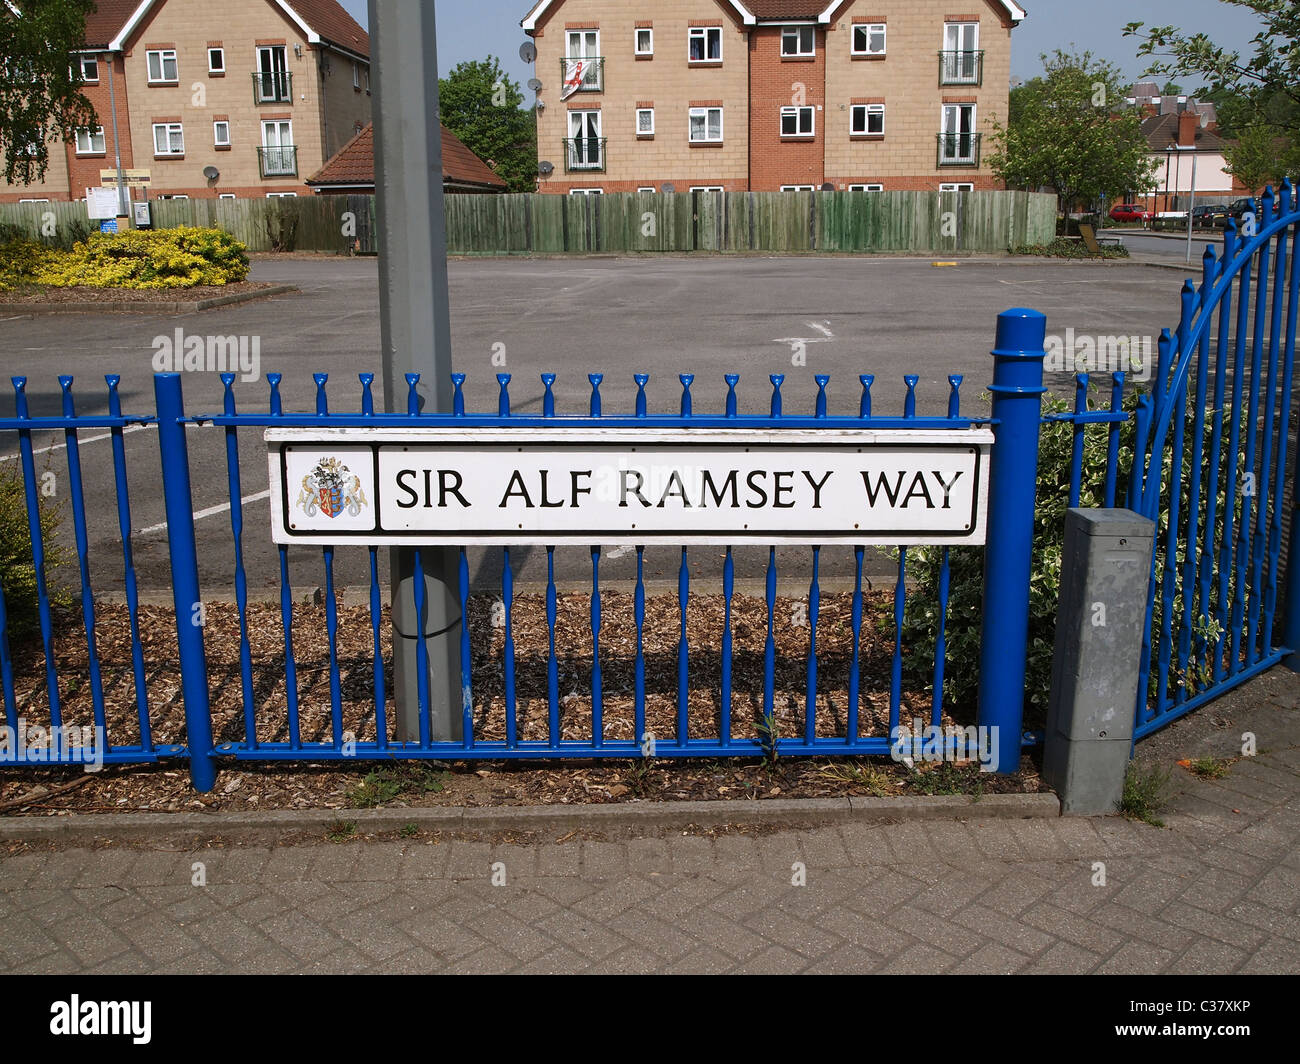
331 488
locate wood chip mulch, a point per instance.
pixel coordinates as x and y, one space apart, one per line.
111 296
247 786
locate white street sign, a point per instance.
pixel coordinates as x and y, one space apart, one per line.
627 487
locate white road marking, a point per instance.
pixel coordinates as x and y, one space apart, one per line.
617 552
211 511
81 440
823 329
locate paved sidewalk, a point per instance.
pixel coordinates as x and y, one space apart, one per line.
1216 891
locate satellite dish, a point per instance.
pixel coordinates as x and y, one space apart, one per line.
544 168
211 173
535 84
669 187
528 51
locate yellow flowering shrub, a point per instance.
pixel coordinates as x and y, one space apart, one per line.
20 259
164 258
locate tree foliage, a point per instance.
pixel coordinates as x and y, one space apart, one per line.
1066 129
484 108
41 102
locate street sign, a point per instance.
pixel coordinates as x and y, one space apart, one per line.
517 487
133 178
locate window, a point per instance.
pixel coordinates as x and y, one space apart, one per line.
585 144
706 125
706 188
279 156
227 195
869 39
866 188
958 186
34 201
174 196
798 188
797 121
365 79
221 134
216 60
646 188
162 66
961 59
645 121
282 195
645 41
705 44
356 75
586 192
89 69
90 141
799 40
958 141
867 120
274 83
583 67
168 139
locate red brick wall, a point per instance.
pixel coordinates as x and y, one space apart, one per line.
776 82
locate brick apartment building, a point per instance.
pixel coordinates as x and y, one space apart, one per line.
261 91
765 95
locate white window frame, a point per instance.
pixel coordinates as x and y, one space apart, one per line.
169 126
867 110
282 195
869 29
867 188
798 188
797 34
706 139
702 33
217 142
706 188
89 60
227 195
356 75
797 113
162 54
217 69
646 188
957 186
954 74
645 111
974 127
636 40
90 135
43 200
172 196
586 192
584 119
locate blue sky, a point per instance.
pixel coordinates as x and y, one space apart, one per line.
473 30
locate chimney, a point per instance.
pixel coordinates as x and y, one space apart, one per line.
1188 122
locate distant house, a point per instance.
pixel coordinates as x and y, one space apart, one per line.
1181 144
352 170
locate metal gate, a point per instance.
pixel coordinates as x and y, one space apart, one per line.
1215 473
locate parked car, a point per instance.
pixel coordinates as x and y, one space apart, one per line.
1129 212
1238 207
1209 215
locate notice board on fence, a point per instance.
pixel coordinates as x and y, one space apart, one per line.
627 487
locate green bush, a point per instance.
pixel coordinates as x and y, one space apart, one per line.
17 573
966 564
164 258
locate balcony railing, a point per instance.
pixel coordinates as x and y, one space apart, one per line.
961 68
586 154
273 86
959 149
587 71
278 162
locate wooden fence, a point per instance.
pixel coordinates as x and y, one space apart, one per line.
927 222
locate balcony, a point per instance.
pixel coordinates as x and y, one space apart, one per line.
273 87
278 162
961 68
959 149
587 72
584 155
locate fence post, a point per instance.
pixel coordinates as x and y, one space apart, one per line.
179 504
1017 407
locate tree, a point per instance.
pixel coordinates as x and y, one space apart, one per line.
1067 131
41 102
1257 97
484 108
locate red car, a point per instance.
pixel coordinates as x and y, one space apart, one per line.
1129 212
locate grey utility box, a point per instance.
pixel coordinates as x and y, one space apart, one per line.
1105 577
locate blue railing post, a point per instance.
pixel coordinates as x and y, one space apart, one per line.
1017 407
179 503
1291 632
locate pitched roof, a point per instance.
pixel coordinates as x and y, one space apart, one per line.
322 21
355 164
1162 131
754 11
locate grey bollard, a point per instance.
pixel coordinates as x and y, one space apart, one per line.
1105 576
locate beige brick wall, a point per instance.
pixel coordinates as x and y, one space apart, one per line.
54 186
667 80
907 81
344 106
